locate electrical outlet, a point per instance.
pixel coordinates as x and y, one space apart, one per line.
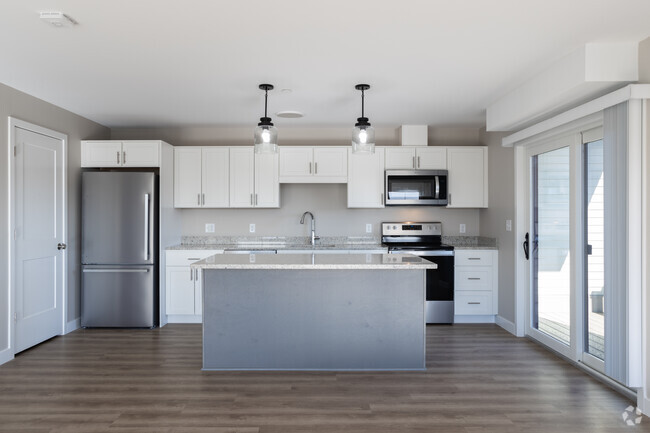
209 228
368 228
508 225
462 228
251 228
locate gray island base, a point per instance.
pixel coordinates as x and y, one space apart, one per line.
314 312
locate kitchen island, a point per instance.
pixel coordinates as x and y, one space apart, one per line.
313 312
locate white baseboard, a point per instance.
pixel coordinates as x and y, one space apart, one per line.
184 318
507 325
73 325
6 355
474 319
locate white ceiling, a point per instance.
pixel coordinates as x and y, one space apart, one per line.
133 63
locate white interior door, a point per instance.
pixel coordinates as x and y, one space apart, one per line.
39 240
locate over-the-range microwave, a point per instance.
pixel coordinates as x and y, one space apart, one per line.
416 187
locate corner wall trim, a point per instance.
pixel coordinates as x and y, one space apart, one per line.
507 325
72 325
6 355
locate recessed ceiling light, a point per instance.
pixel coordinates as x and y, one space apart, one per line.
289 114
285 91
58 19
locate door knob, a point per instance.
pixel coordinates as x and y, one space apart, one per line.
61 246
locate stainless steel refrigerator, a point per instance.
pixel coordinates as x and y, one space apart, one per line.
119 263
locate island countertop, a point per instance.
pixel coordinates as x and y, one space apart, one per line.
314 261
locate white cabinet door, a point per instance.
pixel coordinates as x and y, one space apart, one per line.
400 158
295 162
180 290
103 153
467 181
431 158
242 176
215 177
267 185
141 153
366 179
331 163
187 177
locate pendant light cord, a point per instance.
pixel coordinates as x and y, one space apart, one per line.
266 98
362 102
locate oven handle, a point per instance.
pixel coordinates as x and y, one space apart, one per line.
420 253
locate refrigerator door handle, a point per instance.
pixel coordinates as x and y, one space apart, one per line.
146 227
115 270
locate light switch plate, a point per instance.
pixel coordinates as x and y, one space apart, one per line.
251 228
368 228
508 225
209 228
462 228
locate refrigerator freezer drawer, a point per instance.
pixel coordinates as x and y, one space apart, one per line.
114 296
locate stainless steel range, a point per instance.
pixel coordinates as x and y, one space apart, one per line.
425 240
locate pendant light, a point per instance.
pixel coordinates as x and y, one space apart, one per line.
363 135
266 135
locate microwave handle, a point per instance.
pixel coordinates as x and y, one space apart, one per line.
437 187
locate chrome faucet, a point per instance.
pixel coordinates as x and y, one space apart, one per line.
314 238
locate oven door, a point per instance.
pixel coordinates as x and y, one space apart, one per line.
416 187
439 284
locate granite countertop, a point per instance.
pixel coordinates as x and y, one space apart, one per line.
314 261
471 242
262 243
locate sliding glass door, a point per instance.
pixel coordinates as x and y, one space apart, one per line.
566 246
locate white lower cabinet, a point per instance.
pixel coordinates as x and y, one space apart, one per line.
476 285
184 285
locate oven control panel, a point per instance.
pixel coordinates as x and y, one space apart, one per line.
411 229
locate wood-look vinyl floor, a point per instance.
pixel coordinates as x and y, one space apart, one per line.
479 379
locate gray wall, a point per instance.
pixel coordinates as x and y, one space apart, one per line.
644 61
30 109
327 202
501 169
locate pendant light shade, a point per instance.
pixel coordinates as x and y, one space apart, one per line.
363 135
266 135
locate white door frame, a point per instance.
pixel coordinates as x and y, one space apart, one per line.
14 123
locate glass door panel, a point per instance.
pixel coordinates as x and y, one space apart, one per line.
550 244
594 251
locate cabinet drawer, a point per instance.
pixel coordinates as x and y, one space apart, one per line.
473 257
473 302
473 278
187 257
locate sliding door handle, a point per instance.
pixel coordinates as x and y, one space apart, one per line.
526 246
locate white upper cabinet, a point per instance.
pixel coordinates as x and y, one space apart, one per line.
201 177
320 164
366 179
253 179
416 158
115 153
468 176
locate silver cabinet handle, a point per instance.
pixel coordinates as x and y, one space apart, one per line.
474 303
193 259
256 199
117 157
473 279
203 199
413 162
251 199
418 162
196 275
198 199
61 246
382 198
123 157
473 258
315 168
310 168
191 274
449 199
146 227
